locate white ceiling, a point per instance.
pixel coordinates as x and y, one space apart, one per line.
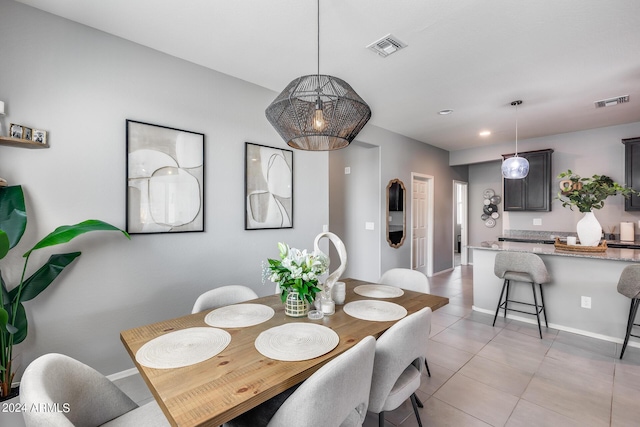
471 56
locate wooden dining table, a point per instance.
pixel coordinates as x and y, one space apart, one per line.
239 378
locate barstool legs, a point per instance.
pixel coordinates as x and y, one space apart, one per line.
538 308
633 310
504 285
535 305
506 298
544 311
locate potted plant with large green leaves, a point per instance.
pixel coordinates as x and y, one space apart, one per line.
13 318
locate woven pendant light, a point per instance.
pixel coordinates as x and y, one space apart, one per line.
318 112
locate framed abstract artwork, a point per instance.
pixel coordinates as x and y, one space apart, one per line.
268 187
165 179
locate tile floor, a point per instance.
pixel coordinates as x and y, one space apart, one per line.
506 375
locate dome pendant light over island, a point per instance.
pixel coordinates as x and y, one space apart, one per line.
515 167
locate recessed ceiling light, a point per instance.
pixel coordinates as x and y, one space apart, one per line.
445 112
485 133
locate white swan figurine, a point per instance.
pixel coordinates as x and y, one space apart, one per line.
342 252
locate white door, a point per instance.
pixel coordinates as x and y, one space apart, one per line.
465 225
421 223
419 232
460 212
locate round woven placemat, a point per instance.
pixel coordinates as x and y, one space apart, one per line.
378 311
378 291
296 341
183 348
239 315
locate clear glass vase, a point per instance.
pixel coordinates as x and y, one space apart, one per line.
295 306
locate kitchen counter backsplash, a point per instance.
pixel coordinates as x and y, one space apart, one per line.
551 235
536 234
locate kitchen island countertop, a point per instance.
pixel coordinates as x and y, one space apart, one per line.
611 254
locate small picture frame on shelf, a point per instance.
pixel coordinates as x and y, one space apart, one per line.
26 133
15 131
39 136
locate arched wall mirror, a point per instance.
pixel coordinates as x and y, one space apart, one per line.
396 230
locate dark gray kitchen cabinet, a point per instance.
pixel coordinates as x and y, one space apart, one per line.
533 192
632 171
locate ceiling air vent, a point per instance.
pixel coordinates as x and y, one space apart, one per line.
612 101
387 45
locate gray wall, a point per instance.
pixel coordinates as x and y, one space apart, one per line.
80 85
597 151
353 201
483 176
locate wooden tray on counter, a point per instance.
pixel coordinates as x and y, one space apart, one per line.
602 247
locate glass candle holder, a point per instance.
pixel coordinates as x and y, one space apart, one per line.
327 305
338 292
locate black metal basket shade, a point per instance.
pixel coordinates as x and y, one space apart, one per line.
292 112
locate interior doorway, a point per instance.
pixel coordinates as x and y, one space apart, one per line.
422 223
460 223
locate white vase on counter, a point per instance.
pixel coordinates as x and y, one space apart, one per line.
589 230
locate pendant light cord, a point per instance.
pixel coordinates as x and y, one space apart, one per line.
516 129
318 46
516 103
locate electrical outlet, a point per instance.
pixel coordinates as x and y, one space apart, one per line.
347 170
585 302
537 221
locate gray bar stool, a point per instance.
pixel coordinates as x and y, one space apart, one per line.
521 267
629 286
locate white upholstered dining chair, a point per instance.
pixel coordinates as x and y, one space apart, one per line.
406 278
397 368
224 295
411 280
335 395
82 396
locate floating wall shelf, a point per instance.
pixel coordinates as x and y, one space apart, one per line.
19 142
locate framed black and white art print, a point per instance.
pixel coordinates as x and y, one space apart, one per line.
268 187
165 179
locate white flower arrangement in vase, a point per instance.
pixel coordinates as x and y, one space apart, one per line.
297 271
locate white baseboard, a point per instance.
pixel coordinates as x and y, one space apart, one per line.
122 374
561 328
442 272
